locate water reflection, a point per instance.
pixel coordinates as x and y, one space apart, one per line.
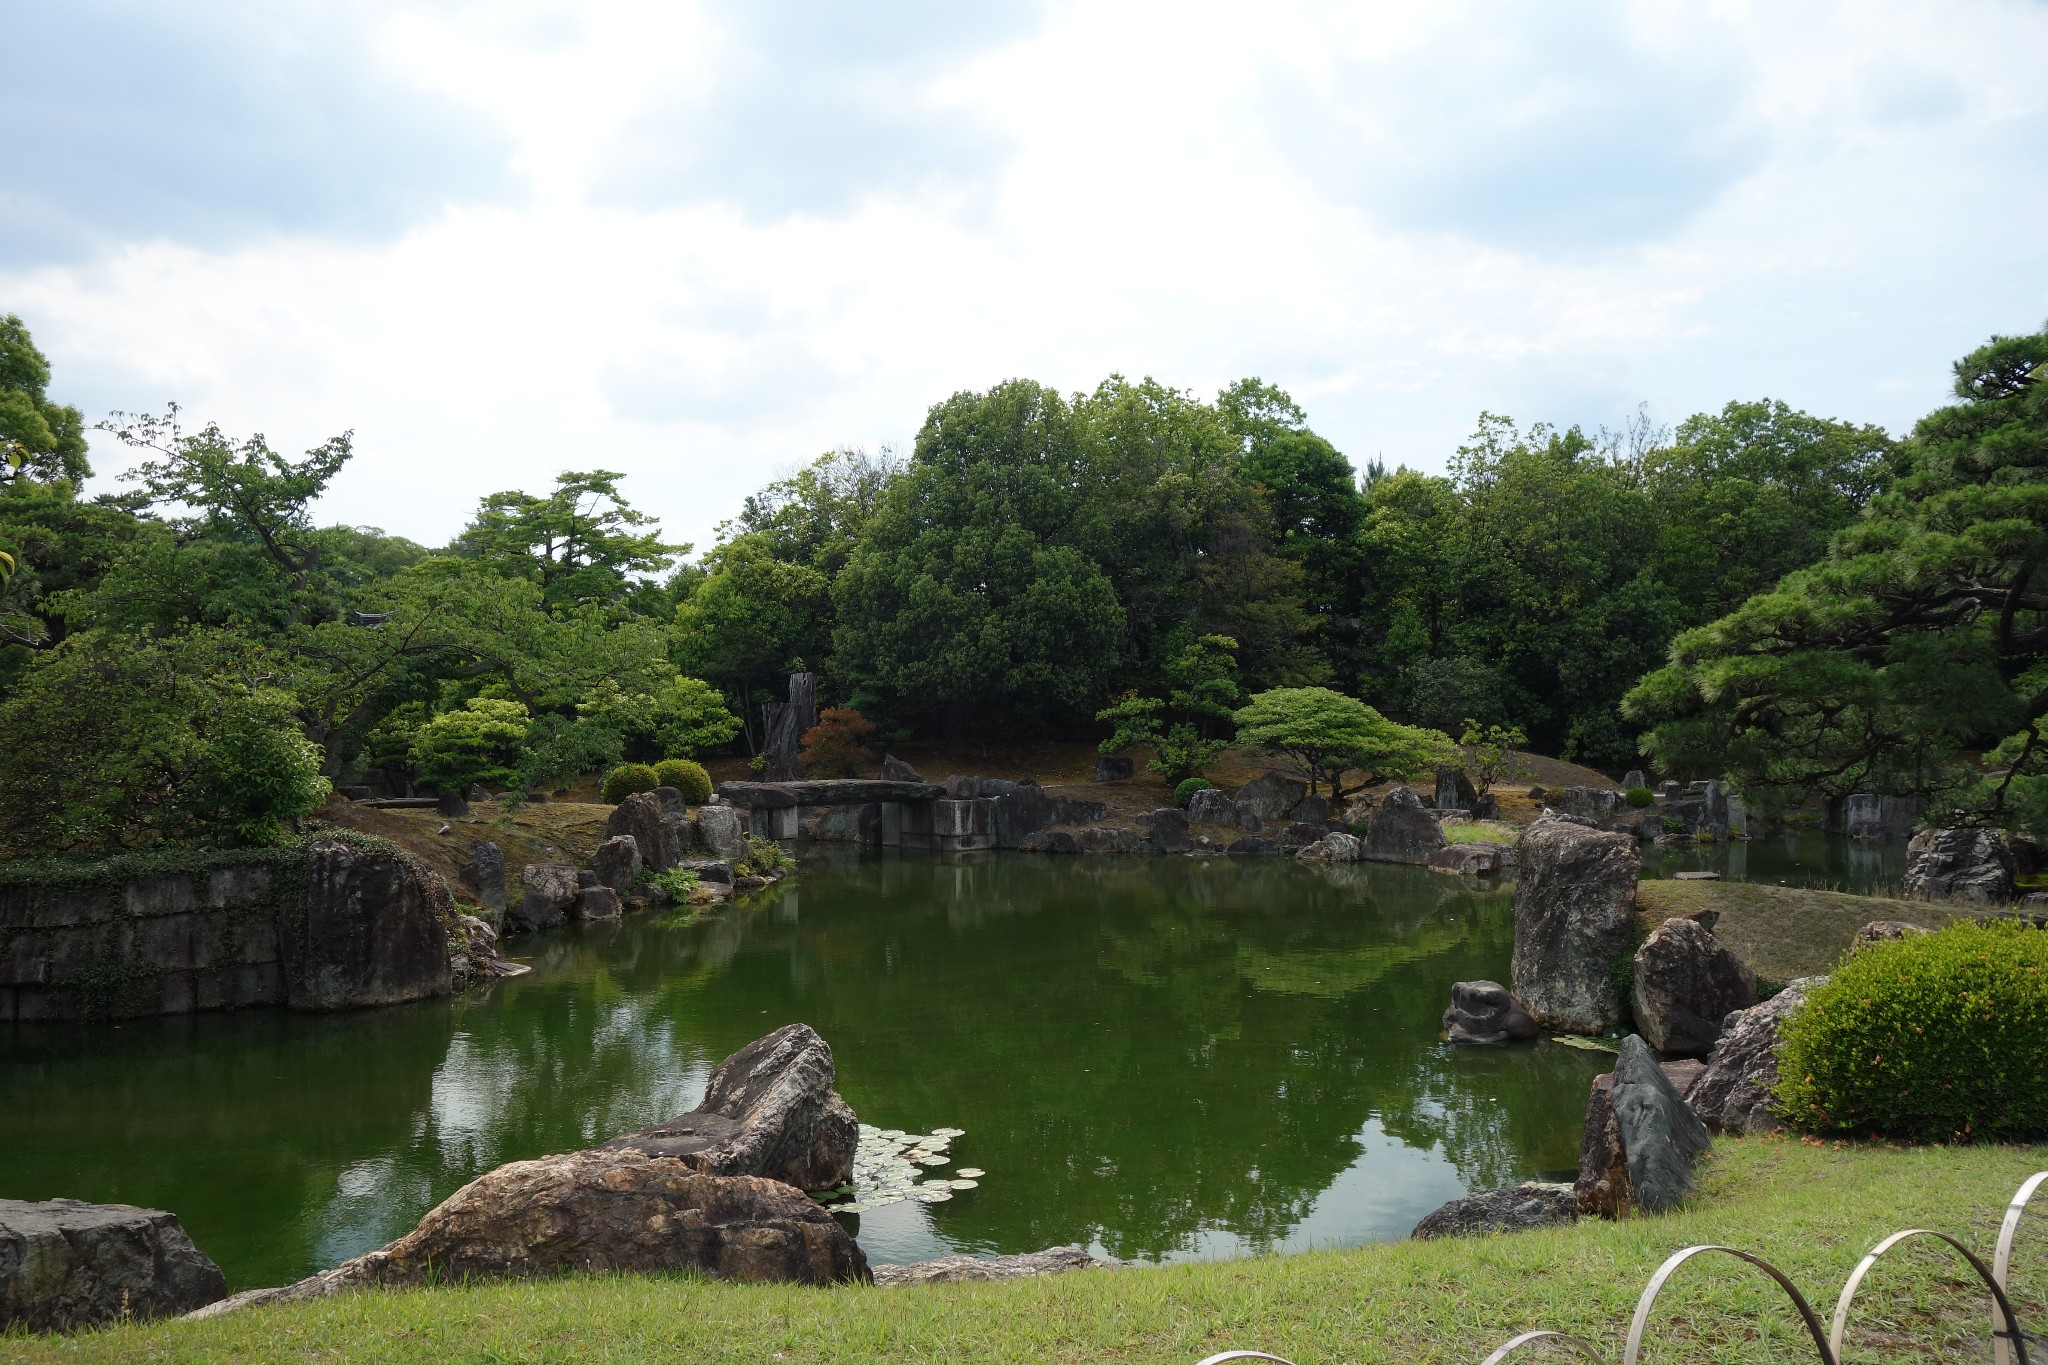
1828 862
1158 1057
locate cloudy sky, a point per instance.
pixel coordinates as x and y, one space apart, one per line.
701 243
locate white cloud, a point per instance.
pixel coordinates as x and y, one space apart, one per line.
1402 215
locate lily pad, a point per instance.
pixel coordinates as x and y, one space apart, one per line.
971 1172
931 1194
935 1160
964 1184
949 1132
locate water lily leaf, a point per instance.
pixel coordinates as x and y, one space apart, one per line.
964 1184
949 1132
934 1160
931 1194
971 1172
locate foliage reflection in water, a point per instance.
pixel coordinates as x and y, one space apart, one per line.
1160 1058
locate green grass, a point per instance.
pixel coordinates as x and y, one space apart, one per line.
1475 831
1787 931
1811 1209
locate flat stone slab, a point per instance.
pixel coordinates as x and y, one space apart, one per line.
850 791
953 1269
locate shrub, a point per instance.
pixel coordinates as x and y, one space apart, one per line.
478 742
686 776
627 779
1185 792
1934 1038
841 744
763 857
1640 797
1673 825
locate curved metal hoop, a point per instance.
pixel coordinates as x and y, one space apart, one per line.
1508 1348
2001 1265
2010 1331
1665 1271
1222 1356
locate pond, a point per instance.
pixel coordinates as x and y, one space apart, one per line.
1824 862
1159 1058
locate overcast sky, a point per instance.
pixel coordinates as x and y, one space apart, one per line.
704 243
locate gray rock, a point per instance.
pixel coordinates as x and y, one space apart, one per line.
1334 847
1884 931
1299 834
721 832
1959 864
548 893
783 727
993 787
1485 1014
369 931
477 793
895 769
770 1110
1574 924
1478 858
450 805
1732 1094
1269 796
1049 841
617 861
1114 768
1107 839
955 1269
963 788
1454 791
709 869
1868 816
66 1264
1167 828
596 902
1634 779
1024 809
1070 810
1401 830
1212 807
1252 846
1661 1138
1310 810
659 836
1599 804
1487 807
1686 983
587 878
1517 1208
484 874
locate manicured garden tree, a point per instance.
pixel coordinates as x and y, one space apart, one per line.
1491 754
1202 681
841 744
1913 647
478 742
1326 734
687 777
629 779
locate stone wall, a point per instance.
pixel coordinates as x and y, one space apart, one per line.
322 925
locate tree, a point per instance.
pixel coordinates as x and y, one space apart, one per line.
1490 753
1326 734
753 618
1203 681
1917 640
674 716
582 544
841 744
38 439
478 742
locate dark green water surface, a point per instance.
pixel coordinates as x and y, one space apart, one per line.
1157 1057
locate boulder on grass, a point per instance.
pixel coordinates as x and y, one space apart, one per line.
895 769
770 1110
1401 830
1686 983
1883 931
1485 1014
1959 864
1732 1094
1641 1142
1477 858
1114 768
955 1269
1517 1208
67 1264
721 832
484 874
1167 828
1454 791
1574 924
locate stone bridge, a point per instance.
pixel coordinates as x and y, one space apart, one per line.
967 813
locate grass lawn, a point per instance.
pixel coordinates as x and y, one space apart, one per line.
1812 1210
1787 931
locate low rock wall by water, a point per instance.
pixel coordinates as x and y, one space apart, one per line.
326 925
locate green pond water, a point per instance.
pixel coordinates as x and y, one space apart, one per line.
1160 1058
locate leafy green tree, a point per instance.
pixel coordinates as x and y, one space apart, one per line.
752 619
1490 754
673 715
583 543
1915 642
1203 682
477 742
1326 735
39 439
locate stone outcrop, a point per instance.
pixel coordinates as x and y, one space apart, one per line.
617 861
1574 923
1454 791
1477 858
1023 810
1517 1208
1212 807
1883 931
1686 983
1866 816
770 1110
483 873
1732 1094
955 1269
1598 804
368 933
784 725
722 833
1167 829
895 769
1269 796
1334 847
1106 839
1401 830
66 1264
1252 846
1050 841
1485 1014
547 894
1114 768
1641 1142
1959 864
659 836
595 902
1299 834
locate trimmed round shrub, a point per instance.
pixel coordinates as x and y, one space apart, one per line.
628 778
1639 797
1934 1038
1185 792
686 776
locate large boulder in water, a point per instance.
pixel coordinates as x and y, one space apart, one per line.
721 832
1574 923
372 930
1686 983
1485 1014
1959 864
66 1264
548 894
1733 1093
1401 830
1517 1208
770 1110
617 861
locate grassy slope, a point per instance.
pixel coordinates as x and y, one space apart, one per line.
1810 1209
1786 931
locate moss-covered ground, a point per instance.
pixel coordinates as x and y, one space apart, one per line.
1811 1209
1787 931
